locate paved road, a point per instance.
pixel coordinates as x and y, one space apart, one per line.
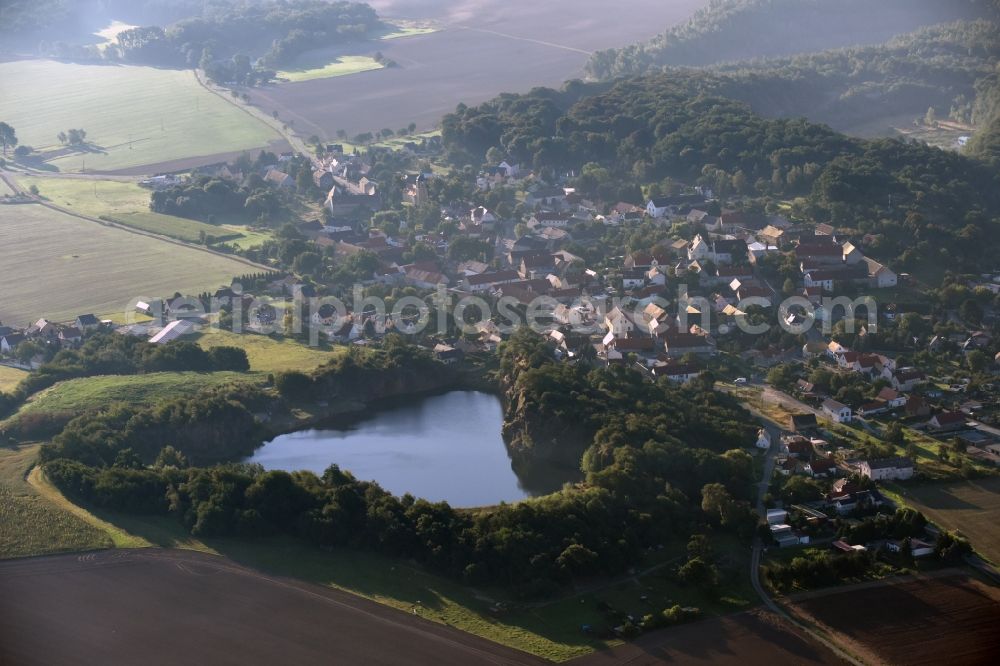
774 429
180 607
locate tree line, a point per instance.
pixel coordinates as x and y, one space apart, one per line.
649 488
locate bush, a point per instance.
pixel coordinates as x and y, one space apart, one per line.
293 385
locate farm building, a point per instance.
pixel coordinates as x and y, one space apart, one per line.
172 331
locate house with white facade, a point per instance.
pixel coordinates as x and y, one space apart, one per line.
836 411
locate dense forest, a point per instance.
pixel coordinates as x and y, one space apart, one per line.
946 67
230 39
274 32
917 203
650 480
731 30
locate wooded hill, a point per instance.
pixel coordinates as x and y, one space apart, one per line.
731 30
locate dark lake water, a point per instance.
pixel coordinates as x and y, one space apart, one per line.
442 448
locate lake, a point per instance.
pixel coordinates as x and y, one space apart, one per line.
444 447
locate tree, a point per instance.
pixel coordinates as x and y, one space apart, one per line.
62 138
127 459
293 385
715 500
699 572
930 119
894 434
170 457
977 360
699 546
7 136
971 312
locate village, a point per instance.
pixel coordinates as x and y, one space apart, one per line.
675 308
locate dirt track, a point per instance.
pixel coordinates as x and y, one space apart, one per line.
179 607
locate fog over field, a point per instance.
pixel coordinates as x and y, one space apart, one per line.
481 49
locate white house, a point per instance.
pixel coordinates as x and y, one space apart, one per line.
618 324
655 277
763 439
880 276
657 208
892 469
836 411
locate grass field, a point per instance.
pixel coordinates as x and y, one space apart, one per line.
132 115
70 266
269 354
29 523
126 203
87 393
342 66
969 507
402 30
10 377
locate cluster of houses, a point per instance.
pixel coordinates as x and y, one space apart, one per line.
45 332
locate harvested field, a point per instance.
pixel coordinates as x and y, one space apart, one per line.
479 52
73 266
171 607
747 638
950 619
971 508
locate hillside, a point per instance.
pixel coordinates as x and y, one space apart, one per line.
731 30
648 130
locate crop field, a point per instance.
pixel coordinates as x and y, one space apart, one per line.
68 266
133 116
173 607
941 620
969 507
478 53
126 203
322 68
10 377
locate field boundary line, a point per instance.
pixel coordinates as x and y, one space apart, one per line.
132 230
293 140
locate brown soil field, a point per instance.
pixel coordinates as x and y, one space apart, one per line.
179 607
948 619
481 51
756 637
